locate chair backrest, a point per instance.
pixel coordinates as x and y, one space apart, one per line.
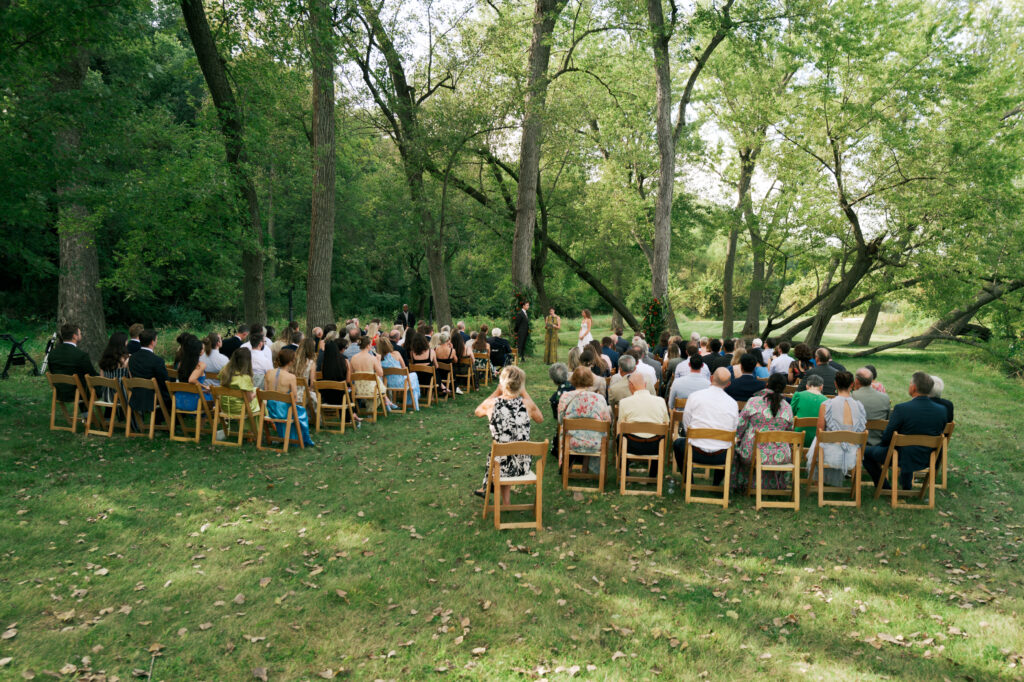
877 424
446 366
426 369
326 385
172 373
130 384
225 392
95 383
370 377
182 387
805 423
318 376
396 372
900 440
643 427
790 390
859 438
584 424
264 396
788 437
66 380
213 376
481 355
521 447
680 404
948 431
712 434
740 404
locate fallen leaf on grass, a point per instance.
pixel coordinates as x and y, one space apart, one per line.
156 647
5 661
479 651
65 616
69 669
326 674
205 626
264 582
260 674
732 614
486 605
139 672
239 598
617 655
254 638
9 634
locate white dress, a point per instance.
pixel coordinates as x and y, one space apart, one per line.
586 338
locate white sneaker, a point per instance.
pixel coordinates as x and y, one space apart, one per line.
458 390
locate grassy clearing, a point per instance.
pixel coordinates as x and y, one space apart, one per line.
380 565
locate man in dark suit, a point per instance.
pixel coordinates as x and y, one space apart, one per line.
146 364
824 370
522 328
621 343
230 345
133 340
500 349
919 416
743 387
67 358
460 328
608 350
936 396
406 317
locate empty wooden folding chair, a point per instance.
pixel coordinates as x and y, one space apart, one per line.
101 409
625 457
728 438
268 425
326 411
535 477
485 356
795 441
365 387
466 374
602 427
446 386
73 388
148 390
816 478
200 413
891 468
944 455
244 416
400 396
429 387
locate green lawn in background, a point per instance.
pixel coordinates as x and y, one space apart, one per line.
368 555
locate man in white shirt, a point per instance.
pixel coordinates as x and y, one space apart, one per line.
781 364
767 353
711 408
683 368
643 369
262 362
642 406
690 382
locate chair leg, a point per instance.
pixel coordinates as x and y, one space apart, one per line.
895 483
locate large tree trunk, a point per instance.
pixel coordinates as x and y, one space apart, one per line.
867 327
79 297
727 282
833 303
742 213
319 311
212 66
757 284
954 322
544 16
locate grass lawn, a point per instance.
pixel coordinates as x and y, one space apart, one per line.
366 557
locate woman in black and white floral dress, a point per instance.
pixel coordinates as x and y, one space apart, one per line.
509 410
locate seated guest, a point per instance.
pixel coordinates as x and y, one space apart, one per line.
462 352
642 406
335 368
687 384
392 359
559 375
673 358
739 350
395 337
781 362
501 350
714 357
68 358
876 404
113 363
842 413
480 345
509 410
420 353
354 334
832 363
709 408
803 362
445 353
583 402
238 374
365 362
705 348
766 411
212 357
191 370
590 360
744 386
659 350
460 327
936 396
181 340
602 362
305 368
608 349
823 370
767 350
234 342
621 344
283 380
261 362
725 360
875 383
146 364
646 365
683 368
919 416
573 361
618 387
133 341
806 404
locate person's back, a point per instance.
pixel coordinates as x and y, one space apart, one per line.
710 408
743 387
67 358
876 404
641 406
827 374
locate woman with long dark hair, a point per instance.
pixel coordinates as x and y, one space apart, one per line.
767 410
114 363
191 370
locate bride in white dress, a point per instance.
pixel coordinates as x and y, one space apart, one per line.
585 325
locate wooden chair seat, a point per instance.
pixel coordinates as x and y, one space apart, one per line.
568 425
132 385
72 415
795 440
625 457
484 355
494 482
201 412
375 397
891 468
267 423
728 438
97 409
245 416
399 396
448 383
816 478
430 387
326 411
466 374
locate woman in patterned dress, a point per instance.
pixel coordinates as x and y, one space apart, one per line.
583 403
765 411
509 410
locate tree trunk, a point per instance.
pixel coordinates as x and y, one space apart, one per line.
952 323
660 35
79 297
271 265
832 303
319 311
743 212
438 284
212 66
617 288
727 283
544 16
757 284
867 327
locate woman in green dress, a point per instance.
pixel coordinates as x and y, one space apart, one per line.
552 325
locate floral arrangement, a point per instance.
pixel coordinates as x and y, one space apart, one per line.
653 322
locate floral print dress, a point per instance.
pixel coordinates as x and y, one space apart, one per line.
510 422
756 416
584 405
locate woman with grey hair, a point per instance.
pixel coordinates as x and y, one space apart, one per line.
559 374
936 396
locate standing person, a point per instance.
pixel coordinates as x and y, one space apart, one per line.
585 325
509 410
68 358
552 325
406 317
522 329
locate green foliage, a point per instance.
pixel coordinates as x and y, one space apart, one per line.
653 322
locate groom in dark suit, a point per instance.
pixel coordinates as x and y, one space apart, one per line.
406 318
522 329
68 358
146 364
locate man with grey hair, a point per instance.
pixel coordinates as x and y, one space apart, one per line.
876 404
501 349
936 396
646 358
353 331
919 416
618 386
823 370
642 406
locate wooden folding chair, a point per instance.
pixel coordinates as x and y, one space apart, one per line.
97 408
535 477
892 464
727 437
808 423
72 416
213 378
375 397
268 424
431 386
132 385
515 356
399 396
625 457
325 411
604 428
178 415
172 374
448 383
246 415
795 441
817 476
675 422
944 455
791 389
466 373
484 355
